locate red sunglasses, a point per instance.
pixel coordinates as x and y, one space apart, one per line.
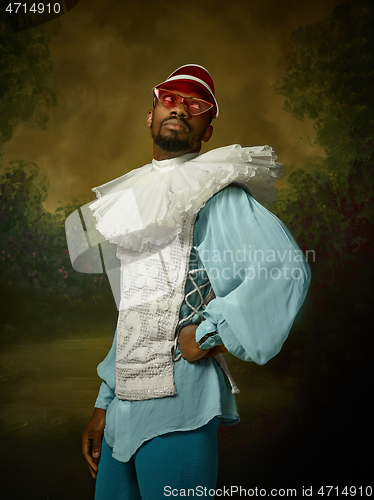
171 99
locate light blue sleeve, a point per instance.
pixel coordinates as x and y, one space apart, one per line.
208 328
105 396
106 371
257 271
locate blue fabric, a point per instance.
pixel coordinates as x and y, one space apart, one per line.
131 423
163 466
205 328
260 278
211 342
259 274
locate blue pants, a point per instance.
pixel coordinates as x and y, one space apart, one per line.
162 467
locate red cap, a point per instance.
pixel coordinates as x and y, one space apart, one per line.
200 76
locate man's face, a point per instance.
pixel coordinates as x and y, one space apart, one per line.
174 130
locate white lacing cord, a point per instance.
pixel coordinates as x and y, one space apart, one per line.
194 309
220 360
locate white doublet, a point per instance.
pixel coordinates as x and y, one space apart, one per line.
150 214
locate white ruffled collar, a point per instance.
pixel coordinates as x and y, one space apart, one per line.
150 204
165 165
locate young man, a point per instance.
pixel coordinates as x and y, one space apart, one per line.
205 269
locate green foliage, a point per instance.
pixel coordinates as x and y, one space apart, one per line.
34 259
35 269
25 65
330 79
328 222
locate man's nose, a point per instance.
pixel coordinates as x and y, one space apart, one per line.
180 110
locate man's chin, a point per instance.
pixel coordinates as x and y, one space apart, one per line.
172 144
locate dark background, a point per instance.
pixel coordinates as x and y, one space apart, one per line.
74 95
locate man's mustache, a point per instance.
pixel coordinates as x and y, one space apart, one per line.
181 120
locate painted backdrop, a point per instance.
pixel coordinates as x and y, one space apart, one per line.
75 90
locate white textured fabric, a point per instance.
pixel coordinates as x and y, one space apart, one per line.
153 283
149 213
149 204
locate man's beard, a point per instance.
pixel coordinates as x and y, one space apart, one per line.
172 144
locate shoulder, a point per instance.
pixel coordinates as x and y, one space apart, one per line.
226 210
231 198
230 194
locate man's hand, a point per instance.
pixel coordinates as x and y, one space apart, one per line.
190 349
91 440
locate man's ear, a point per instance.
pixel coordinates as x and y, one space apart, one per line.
208 133
149 119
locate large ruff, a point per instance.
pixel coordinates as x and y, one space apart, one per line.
149 204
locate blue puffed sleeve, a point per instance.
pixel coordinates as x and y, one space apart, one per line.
106 371
105 396
258 273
